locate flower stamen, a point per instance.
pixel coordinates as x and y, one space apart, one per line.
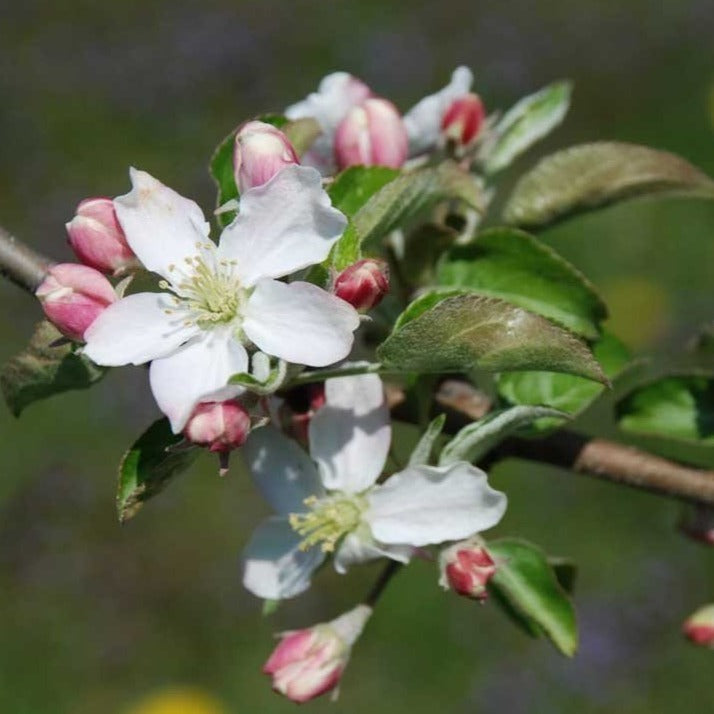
328 520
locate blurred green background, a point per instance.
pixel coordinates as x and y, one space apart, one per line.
95 617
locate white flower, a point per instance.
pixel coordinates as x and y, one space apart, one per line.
337 506
336 95
222 299
423 120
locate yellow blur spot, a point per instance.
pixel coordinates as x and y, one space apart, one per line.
178 701
639 310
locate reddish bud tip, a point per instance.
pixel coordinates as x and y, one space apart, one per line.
218 426
73 296
372 134
699 627
463 120
260 152
97 238
363 284
466 569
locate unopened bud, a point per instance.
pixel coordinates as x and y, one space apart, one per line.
363 284
372 134
97 238
218 426
310 662
261 151
463 120
73 296
699 627
466 568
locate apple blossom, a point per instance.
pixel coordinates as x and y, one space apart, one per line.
335 505
97 238
463 120
261 151
363 284
424 120
220 301
371 134
336 95
699 627
73 296
466 567
310 662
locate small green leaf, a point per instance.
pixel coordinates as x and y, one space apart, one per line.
565 392
45 368
528 121
679 408
566 571
148 466
411 193
470 331
301 132
475 440
510 264
353 187
423 303
527 582
589 176
423 450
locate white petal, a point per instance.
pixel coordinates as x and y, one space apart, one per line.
282 471
274 567
425 504
136 329
350 434
360 547
198 371
161 226
300 323
423 120
283 226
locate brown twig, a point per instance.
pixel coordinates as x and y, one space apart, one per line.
20 264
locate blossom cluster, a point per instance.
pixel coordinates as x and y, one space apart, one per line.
228 316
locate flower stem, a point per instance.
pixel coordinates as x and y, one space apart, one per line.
390 570
20 264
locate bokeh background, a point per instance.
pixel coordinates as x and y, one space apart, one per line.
96 617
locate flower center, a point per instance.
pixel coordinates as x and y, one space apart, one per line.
208 291
327 521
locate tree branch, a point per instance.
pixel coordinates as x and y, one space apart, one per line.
20 264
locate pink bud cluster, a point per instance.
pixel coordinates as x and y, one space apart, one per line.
699 627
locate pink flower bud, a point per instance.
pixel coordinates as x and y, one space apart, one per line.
308 663
261 151
372 134
73 296
466 567
363 284
97 238
219 426
699 627
463 120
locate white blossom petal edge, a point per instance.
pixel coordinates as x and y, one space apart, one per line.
336 506
220 300
423 120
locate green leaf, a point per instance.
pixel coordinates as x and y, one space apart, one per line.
413 192
475 440
353 187
301 132
423 450
528 121
564 392
679 408
589 176
515 266
566 572
345 369
423 303
470 331
45 368
527 582
147 467
270 607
